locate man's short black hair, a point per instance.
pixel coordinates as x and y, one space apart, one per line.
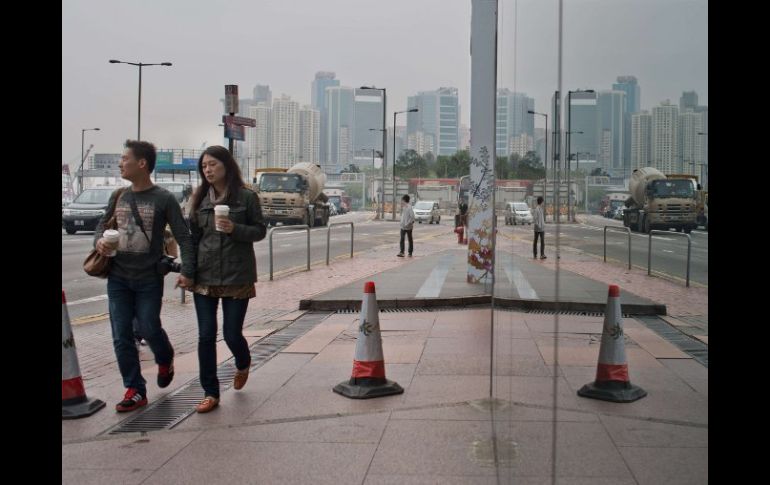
539 200
405 198
143 149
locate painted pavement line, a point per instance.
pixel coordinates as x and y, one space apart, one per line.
431 288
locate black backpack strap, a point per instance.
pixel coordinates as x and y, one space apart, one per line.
137 217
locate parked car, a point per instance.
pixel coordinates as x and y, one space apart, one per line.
84 213
518 213
427 210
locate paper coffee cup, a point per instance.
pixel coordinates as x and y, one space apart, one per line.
111 237
220 212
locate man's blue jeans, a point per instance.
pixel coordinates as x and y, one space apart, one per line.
143 299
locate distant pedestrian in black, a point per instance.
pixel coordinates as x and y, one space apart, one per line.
539 226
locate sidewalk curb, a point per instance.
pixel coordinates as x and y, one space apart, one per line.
508 303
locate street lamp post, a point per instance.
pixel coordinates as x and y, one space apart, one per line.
704 181
82 156
545 162
570 215
410 110
384 144
569 132
381 204
139 112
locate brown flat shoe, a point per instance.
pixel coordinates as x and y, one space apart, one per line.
241 376
208 403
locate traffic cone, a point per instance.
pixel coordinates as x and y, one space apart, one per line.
74 403
612 383
368 376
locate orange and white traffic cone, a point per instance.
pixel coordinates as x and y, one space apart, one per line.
368 376
612 382
74 403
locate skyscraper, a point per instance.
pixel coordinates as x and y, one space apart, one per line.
438 117
262 94
513 120
611 109
285 132
689 100
340 120
309 134
665 137
583 117
258 138
641 140
691 145
323 80
629 85
367 114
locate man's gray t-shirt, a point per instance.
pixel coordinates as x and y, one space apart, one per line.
137 254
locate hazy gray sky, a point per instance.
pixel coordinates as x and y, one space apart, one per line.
403 45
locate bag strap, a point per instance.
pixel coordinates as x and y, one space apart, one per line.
137 217
111 222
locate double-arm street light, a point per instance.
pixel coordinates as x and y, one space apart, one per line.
140 65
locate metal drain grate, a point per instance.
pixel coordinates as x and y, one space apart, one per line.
174 408
580 314
416 309
689 345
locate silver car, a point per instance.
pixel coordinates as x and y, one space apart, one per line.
427 211
518 213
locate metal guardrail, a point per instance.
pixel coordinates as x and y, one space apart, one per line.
270 244
329 233
623 229
669 233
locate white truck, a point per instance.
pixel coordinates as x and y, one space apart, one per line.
293 196
659 201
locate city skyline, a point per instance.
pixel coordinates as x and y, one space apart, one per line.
663 44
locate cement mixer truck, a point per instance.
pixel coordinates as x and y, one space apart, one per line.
293 196
662 202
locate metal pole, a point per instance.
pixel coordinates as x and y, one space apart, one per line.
352 229
384 152
569 154
629 247
605 244
82 158
308 248
328 241
393 216
545 165
649 254
689 245
139 115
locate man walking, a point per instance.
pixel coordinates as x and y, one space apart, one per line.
135 283
539 219
407 223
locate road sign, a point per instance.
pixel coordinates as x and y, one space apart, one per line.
238 120
235 132
231 98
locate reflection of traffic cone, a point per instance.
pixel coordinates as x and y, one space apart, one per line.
612 383
74 403
368 376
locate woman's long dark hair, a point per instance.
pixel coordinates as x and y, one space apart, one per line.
233 179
